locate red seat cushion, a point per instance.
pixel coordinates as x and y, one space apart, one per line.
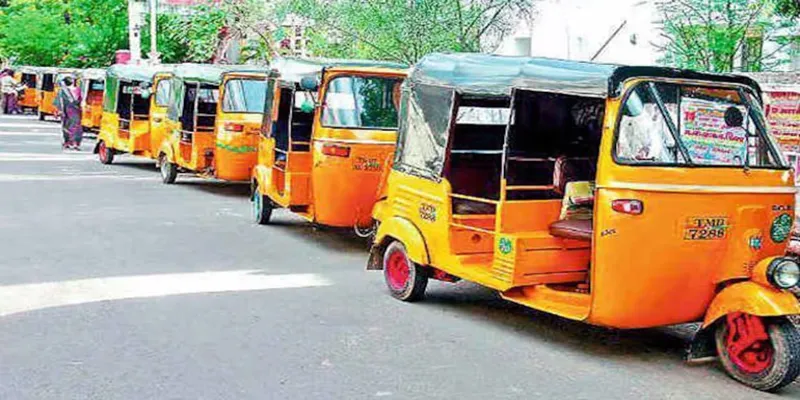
576 229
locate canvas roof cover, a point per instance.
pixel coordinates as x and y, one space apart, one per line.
493 75
294 69
213 73
427 106
135 73
93 73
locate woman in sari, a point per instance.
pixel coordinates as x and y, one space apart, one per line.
68 103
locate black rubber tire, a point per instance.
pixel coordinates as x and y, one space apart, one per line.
417 281
262 207
785 339
41 117
168 170
104 154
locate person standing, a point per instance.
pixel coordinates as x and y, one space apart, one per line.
68 104
9 87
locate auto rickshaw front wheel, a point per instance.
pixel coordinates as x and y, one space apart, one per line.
105 154
405 279
169 171
763 353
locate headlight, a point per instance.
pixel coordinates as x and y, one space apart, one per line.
783 273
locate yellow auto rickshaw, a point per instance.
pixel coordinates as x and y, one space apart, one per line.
92 83
28 76
213 121
46 90
130 112
625 197
327 139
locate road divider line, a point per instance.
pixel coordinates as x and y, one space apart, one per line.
4 125
74 177
22 298
54 134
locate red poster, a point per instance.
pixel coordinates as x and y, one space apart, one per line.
783 116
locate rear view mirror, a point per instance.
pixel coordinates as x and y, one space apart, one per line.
309 83
633 106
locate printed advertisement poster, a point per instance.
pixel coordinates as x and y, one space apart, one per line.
783 115
706 135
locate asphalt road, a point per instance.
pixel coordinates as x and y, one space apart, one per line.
115 286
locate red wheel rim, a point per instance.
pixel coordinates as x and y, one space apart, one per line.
101 151
397 270
748 344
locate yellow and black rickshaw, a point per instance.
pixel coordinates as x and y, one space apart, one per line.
329 135
213 121
621 196
92 82
130 111
28 76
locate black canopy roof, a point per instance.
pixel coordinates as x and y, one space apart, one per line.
493 75
293 69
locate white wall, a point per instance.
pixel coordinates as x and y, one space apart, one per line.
576 30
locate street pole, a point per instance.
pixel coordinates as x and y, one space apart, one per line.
153 30
135 12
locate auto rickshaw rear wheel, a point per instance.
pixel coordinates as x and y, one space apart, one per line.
168 170
105 154
41 117
763 353
262 207
405 279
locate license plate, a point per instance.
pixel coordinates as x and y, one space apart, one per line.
705 228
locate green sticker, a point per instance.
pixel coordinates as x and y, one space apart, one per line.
781 227
505 246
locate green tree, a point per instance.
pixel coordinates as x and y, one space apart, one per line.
401 30
34 32
709 35
788 8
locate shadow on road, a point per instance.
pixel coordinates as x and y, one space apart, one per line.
667 344
335 239
137 165
227 189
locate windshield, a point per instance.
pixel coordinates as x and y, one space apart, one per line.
672 124
362 102
244 96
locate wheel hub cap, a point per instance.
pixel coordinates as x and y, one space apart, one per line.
397 270
748 344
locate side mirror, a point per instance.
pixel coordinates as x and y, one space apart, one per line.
309 83
633 106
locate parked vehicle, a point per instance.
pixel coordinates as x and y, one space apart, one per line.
28 76
132 117
327 140
213 121
92 82
625 197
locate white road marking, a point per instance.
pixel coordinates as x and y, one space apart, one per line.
55 134
81 177
21 298
46 156
28 117
4 125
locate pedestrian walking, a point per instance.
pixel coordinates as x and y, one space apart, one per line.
68 104
10 88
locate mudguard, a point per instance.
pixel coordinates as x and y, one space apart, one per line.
751 298
403 230
166 149
260 176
